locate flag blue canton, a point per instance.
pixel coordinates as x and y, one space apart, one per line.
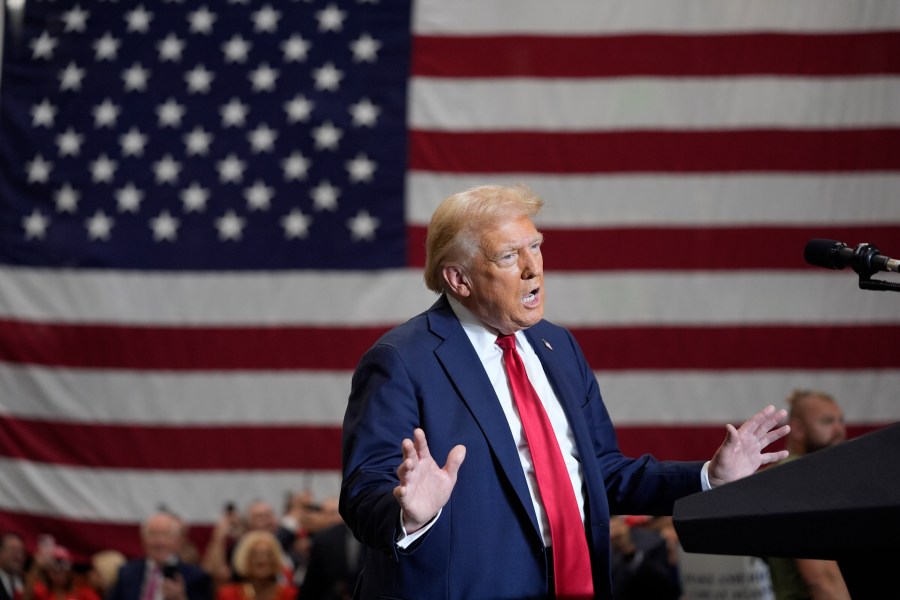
179 135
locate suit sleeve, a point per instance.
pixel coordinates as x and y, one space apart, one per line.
381 412
642 485
197 582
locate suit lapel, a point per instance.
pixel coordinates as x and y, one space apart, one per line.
4 594
552 355
467 374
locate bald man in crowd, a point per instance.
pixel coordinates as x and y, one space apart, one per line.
817 422
160 575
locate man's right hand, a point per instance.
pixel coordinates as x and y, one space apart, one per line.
424 486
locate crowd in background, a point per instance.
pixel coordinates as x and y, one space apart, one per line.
253 553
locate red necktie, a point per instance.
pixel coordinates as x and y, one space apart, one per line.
152 583
571 558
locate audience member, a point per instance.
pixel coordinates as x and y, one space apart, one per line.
817 422
335 556
187 551
314 519
259 561
161 575
51 578
104 569
12 565
640 563
259 516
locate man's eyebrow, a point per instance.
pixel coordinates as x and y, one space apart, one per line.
515 246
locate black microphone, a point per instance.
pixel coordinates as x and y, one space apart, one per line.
864 258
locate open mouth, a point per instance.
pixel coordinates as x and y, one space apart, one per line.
532 297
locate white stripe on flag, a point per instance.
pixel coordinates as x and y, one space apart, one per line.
506 17
581 201
311 398
704 397
110 495
311 298
219 400
653 103
573 299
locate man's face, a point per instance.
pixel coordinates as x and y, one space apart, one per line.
504 283
822 424
12 555
161 538
261 517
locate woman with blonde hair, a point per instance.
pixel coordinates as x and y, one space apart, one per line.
260 563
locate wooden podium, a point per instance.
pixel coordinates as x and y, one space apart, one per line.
841 503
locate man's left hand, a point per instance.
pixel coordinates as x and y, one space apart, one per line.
173 588
741 453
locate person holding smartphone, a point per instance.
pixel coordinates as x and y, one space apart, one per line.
160 575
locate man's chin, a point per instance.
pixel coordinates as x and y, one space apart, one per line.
532 318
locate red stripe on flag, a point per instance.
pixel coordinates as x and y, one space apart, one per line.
607 348
775 347
184 348
681 248
145 446
845 150
693 442
662 55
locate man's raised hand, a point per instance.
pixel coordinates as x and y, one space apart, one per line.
424 486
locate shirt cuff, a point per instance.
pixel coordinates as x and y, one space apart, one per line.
704 477
407 539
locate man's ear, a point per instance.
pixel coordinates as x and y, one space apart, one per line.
456 280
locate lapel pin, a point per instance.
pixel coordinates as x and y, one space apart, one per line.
546 343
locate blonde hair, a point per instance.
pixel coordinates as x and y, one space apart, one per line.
453 233
106 563
245 545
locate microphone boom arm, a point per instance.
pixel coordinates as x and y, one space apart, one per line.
861 262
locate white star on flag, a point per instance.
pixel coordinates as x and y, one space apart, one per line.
99 226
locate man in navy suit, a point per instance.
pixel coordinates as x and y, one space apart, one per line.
479 529
160 575
12 564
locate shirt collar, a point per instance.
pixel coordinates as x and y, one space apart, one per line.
484 338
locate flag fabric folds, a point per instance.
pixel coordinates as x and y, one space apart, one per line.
196 199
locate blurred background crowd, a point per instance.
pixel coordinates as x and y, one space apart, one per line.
255 552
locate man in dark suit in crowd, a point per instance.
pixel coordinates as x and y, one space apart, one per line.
12 563
489 528
642 564
334 558
160 575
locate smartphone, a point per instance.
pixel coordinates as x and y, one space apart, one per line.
170 571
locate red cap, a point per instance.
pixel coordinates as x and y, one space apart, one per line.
61 553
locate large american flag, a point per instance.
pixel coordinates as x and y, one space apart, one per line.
209 210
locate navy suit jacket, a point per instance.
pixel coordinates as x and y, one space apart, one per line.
130 581
486 543
4 595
